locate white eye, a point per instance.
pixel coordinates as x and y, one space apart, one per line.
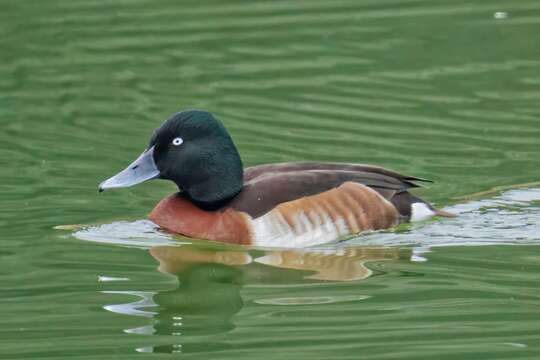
177 141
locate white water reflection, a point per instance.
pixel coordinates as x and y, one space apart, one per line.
307 300
136 308
139 233
510 218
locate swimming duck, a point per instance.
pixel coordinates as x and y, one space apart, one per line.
274 205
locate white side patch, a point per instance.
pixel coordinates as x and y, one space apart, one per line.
271 230
420 211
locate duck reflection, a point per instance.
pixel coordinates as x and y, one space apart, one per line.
331 265
207 297
208 294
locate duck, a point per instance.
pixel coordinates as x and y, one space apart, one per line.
290 204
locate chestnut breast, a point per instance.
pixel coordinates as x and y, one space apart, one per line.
179 215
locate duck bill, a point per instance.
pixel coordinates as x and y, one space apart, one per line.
142 169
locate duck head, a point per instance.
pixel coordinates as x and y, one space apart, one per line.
194 150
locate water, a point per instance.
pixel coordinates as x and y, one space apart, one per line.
443 90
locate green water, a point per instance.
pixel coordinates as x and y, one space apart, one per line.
446 90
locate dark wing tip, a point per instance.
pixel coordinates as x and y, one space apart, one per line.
414 178
412 181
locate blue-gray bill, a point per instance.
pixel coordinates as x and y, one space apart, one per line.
142 169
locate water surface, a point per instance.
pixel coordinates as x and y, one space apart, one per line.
445 90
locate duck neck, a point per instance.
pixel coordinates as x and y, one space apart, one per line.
218 183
